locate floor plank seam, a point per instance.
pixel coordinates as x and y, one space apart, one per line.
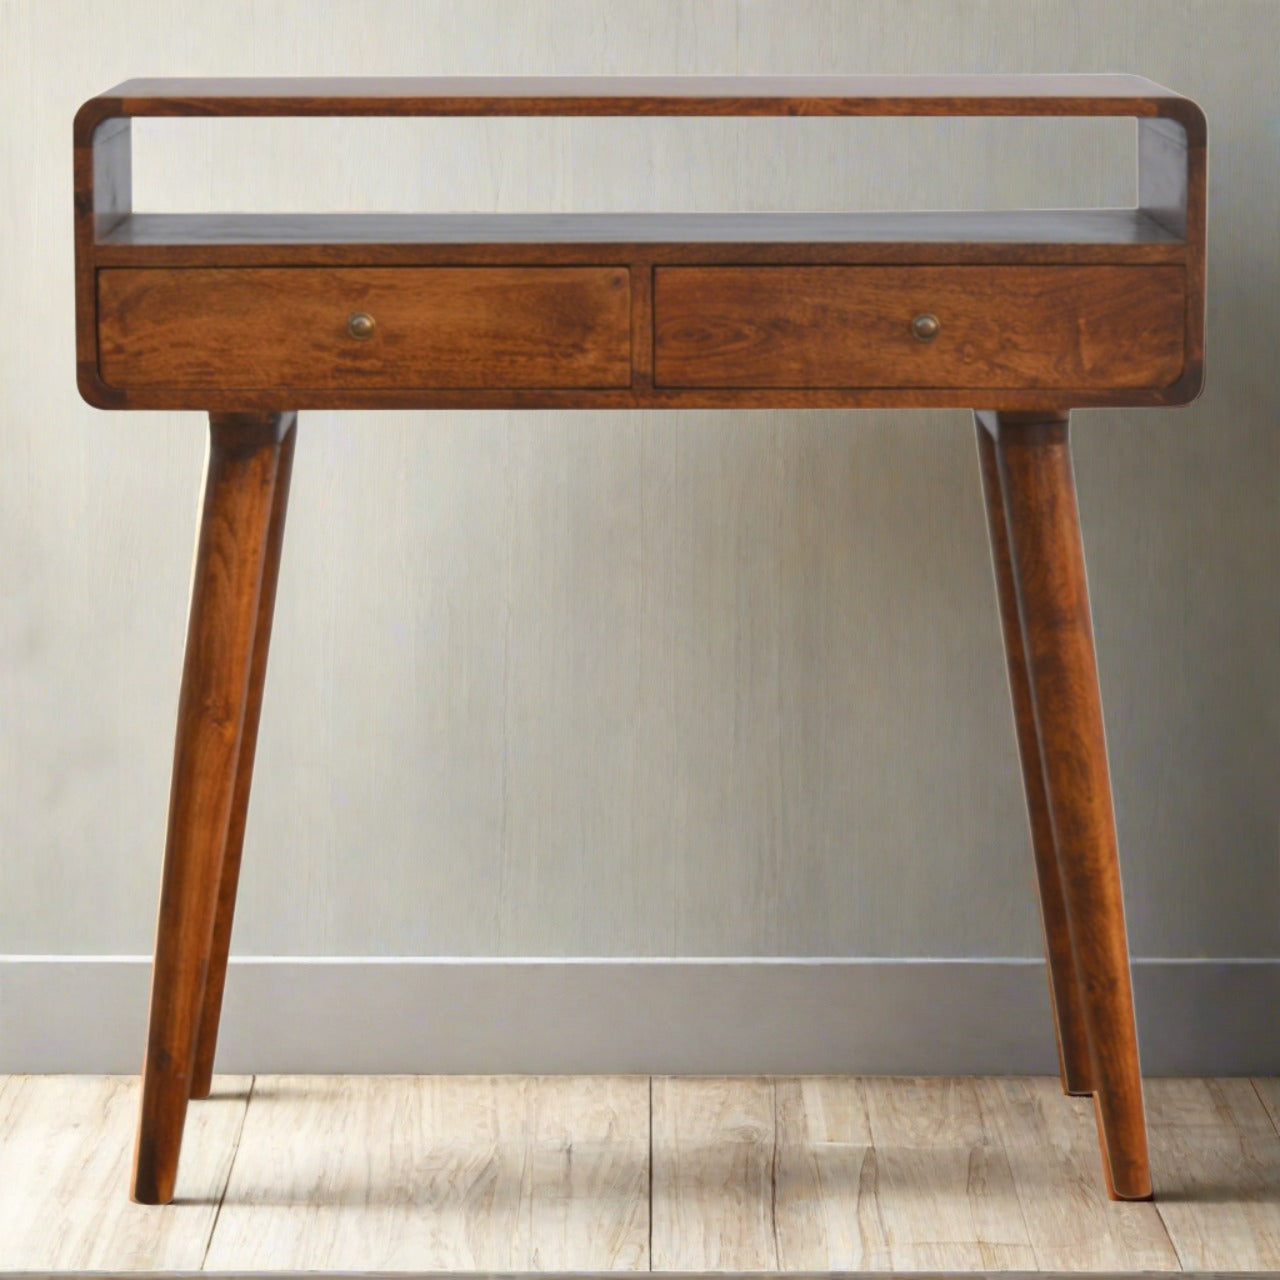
331 1197
649 1256
1183 1267
231 1164
1168 1235
1275 1119
1173 1244
773 1177
1177 1253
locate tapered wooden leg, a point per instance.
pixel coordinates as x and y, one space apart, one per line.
215 982
1047 558
1064 986
231 559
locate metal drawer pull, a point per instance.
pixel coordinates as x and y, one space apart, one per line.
924 328
360 325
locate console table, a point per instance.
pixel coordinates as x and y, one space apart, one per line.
1019 315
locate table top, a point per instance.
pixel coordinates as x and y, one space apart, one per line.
863 95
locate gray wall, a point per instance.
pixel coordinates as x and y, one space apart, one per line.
636 684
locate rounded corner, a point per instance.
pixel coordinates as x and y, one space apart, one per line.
1190 115
90 114
94 391
1187 387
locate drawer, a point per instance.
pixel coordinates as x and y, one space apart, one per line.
1013 327
281 327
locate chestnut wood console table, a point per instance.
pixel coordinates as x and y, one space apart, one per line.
1020 316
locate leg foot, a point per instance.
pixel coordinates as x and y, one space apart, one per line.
240 485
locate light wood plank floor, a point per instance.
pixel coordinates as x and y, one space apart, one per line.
597 1174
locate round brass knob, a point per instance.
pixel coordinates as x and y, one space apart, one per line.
360 325
926 327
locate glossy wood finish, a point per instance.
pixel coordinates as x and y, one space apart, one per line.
215 981
246 316
1064 984
1173 190
857 95
231 562
261 327
1022 327
1111 330
1166 228
1047 557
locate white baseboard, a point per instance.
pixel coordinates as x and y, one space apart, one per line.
685 1016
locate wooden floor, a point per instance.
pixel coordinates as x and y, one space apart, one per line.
594 1174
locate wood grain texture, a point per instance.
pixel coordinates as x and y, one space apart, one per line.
1047 557
231 557
1051 1145
102 173
1064 983
1173 190
893 1175
841 1174
279 332
216 978
1021 327
932 95
108 376
515 1174
1269 1091
1217 1154
1183 498
713 1153
261 400
854 1190
945 1187
450 1173
827 1208
434 327
556 335
64 1170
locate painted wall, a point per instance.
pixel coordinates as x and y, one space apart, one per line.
636 684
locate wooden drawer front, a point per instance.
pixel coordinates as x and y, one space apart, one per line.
1023 327
256 327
